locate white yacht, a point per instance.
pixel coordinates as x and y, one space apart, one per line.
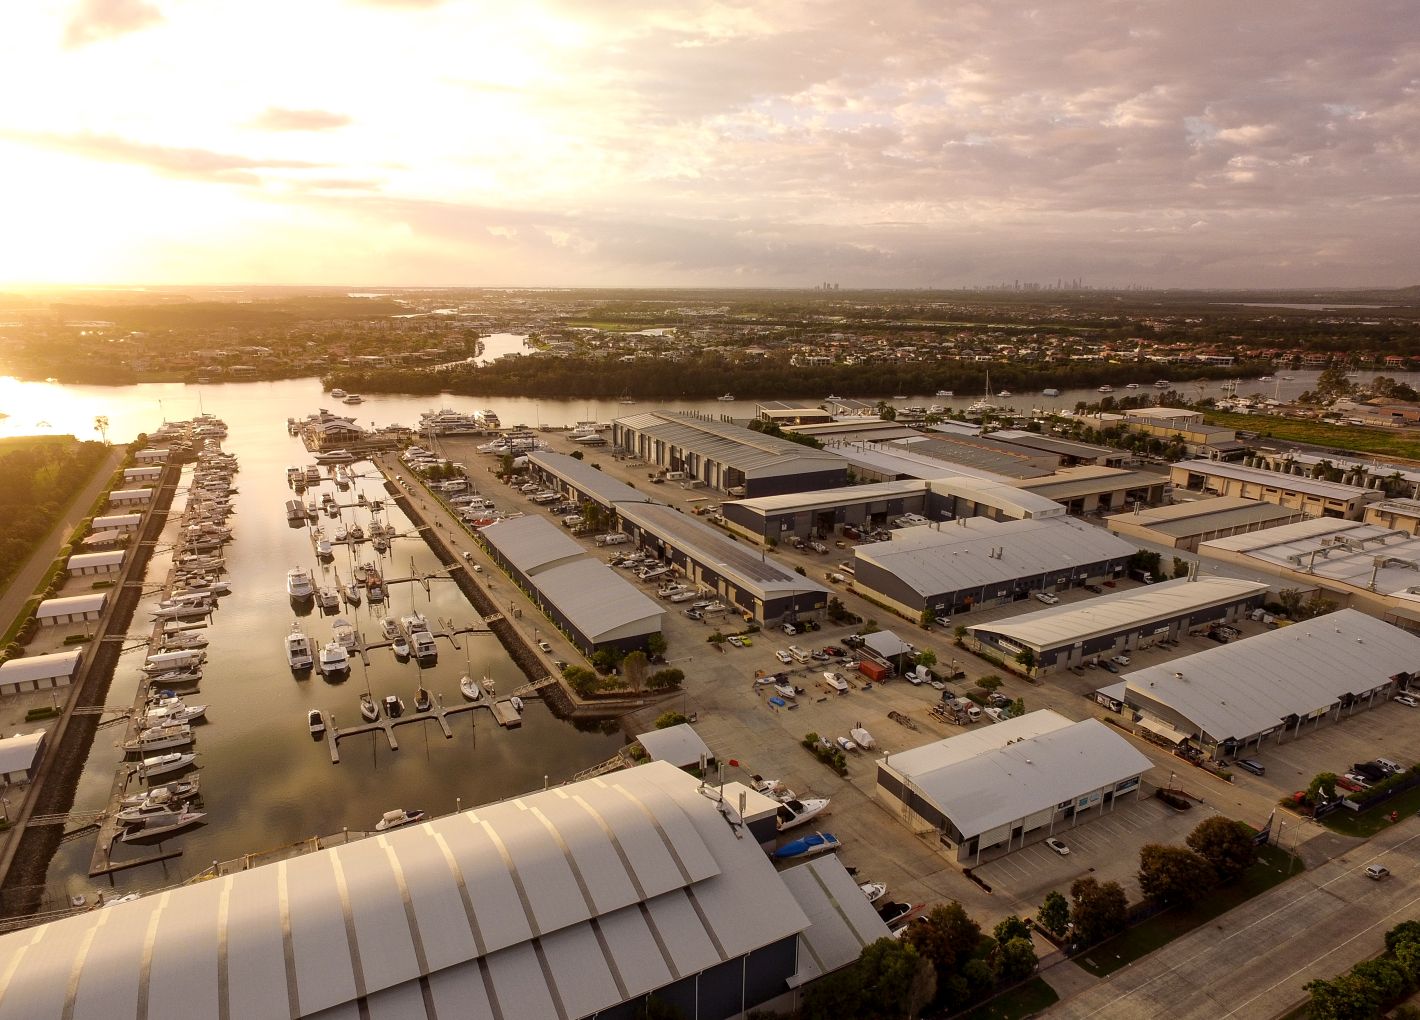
161 764
470 688
426 649
298 649
165 715
157 828
334 659
335 457
354 398
159 738
338 393
329 599
298 584
797 812
344 632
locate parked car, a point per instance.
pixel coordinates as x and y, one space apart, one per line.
789 629
1120 660
1094 589
996 713
736 640
544 645
1049 598
1371 771
1251 765
834 651
1407 700
783 656
1357 779
853 641
695 614
1059 847
1376 872
819 656
1109 666
1392 767
998 699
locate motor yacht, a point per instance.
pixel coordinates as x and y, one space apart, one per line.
178 790
329 599
344 632
394 819
426 649
316 722
334 659
298 649
155 828
394 706
162 764
298 584
159 738
792 813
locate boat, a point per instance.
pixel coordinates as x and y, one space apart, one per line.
808 846
344 632
298 584
489 685
726 397
334 659
846 744
329 599
390 629
178 789
785 689
874 891
1004 393
356 533
335 457
774 788
778 702
324 549
796 812
1131 386
159 738
158 829
316 722
1162 384
369 711
945 393
517 703
394 819
896 915
863 738
171 713
488 420
400 646
394 707
162 764
426 649
1050 391
354 398
1106 389
298 650
422 701
469 688
157 804
351 593
338 393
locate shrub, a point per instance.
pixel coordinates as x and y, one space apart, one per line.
664 678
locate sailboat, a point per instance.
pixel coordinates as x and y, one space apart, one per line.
984 404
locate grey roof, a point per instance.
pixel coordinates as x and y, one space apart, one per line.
117 521
531 544
872 429
746 567
892 459
559 903
40 667
680 745
1002 495
71 604
887 644
598 601
1220 513
1123 611
845 496
17 754
1056 445
841 920
981 452
957 557
755 454
1275 479
1084 479
1010 770
598 484
1399 507
1245 687
112 558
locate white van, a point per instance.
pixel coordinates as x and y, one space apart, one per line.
798 653
675 476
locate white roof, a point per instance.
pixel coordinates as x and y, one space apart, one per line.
532 544
117 521
1276 479
17 754
40 667
597 484
130 494
71 604
1004 772
1245 687
755 454
680 745
112 558
957 556
841 920
598 601
563 902
1121 611
845 496
899 460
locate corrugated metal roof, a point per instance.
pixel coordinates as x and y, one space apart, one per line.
845 496
70 604
532 544
980 781
1121 611
1245 687
511 890
981 452
1054 444
841 920
40 667
601 486
896 460
598 601
755 454
1274 479
112 558
1086 479
680 745
957 557
18 752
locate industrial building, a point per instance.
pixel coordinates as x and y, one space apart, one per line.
92 564
746 579
679 745
976 562
1187 427
981 452
71 609
20 756
857 429
1276 686
1187 525
725 457
995 789
1318 498
578 480
790 412
1395 515
1064 636
583 900
123 523
39 672
1089 489
589 601
1068 452
135 475
128 498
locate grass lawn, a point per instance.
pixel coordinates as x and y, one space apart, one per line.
1272 868
1025 1000
1351 438
1373 819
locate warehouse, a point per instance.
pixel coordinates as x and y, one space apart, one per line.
1065 636
590 602
1395 514
152 455
789 412
578 480
71 609
1067 452
584 900
1187 525
1089 489
871 430
725 457
765 590
136 475
121 499
1318 498
39 672
975 562
679 745
993 790
890 462
123 523
981 452
20 756
1276 686
90 564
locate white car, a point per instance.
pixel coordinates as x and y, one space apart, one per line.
1059 847
1120 660
735 640
1407 700
1049 598
783 656
998 714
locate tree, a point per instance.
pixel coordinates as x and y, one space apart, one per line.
656 644
926 617
1097 910
1323 787
634 667
888 981
577 455
1010 927
101 427
1403 933
1054 914
1026 657
1174 874
581 680
946 935
989 682
1180 567
663 678
927 658
1226 844
1386 976
1015 960
1018 708
668 719
1344 998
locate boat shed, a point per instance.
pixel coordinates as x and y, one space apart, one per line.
118 522
120 498
71 609
20 756
842 923
591 603
1275 686
584 900
576 479
872 430
1061 637
1187 525
680 745
88 564
726 457
992 790
764 589
975 562
39 672
146 473
151 455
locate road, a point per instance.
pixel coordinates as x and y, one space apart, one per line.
1254 961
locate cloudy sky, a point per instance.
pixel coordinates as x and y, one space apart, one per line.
878 143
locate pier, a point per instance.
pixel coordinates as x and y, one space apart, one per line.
102 864
503 712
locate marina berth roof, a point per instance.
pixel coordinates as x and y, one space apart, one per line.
1121 611
597 484
532 544
1002 773
91 561
751 452
560 903
40 667
17 754
598 601
71 605
1250 686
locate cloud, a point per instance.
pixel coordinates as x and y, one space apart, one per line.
276 118
96 20
189 164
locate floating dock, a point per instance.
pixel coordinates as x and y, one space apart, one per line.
503 713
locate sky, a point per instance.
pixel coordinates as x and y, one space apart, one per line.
773 143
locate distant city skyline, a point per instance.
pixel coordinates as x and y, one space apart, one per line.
766 143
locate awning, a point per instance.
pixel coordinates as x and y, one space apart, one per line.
1163 729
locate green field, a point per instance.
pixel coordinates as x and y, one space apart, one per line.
1350 438
1374 819
1026 1000
1272 868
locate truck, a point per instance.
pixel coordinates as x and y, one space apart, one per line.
798 653
1142 576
